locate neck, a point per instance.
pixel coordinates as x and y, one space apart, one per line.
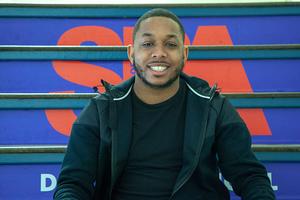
151 95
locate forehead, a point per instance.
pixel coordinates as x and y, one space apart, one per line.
155 26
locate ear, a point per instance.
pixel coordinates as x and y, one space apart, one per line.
185 53
130 53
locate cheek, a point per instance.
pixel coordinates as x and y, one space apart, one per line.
178 59
138 62
177 55
140 57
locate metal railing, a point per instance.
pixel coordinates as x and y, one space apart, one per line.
282 51
136 10
79 100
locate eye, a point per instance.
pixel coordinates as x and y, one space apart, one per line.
147 44
171 44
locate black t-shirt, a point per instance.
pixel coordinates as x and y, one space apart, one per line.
155 156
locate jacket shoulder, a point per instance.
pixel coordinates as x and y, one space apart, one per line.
196 83
91 112
200 87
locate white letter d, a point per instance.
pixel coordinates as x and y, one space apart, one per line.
44 187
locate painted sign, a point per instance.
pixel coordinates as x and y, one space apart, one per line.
39 181
53 126
81 76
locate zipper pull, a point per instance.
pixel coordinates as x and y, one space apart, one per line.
213 91
106 85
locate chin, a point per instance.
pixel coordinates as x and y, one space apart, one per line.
160 84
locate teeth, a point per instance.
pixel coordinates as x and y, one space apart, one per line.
158 68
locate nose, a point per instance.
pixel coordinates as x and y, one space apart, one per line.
159 52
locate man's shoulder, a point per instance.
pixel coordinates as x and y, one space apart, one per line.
198 86
195 82
115 91
202 89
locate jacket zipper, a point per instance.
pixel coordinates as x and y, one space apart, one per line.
107 87
193 169
212 95
112 166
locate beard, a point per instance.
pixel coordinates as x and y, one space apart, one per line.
141 75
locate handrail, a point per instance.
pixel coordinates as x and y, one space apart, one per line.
11 149
136 10
49 95
167 5
78 101
124 48
276 147
4 149
24 52
90 95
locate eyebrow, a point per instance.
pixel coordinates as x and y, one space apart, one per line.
147 34
168 36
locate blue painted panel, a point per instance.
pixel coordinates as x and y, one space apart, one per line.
27 182
273 75
38 181
33 127
242 30
284 125
27 127
40 76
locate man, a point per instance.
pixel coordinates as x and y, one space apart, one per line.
161 134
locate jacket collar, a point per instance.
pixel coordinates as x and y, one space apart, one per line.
196 85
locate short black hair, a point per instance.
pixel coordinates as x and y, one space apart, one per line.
158 12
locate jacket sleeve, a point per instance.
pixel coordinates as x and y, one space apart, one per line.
237 162
79 166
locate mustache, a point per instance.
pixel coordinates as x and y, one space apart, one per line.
134 64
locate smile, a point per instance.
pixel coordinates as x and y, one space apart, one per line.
158 68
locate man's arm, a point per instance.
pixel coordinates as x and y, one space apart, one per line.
237 162
77 176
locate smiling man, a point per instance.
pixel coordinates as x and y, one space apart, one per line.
158 56
161 134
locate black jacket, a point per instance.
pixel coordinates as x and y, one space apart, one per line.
215 138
